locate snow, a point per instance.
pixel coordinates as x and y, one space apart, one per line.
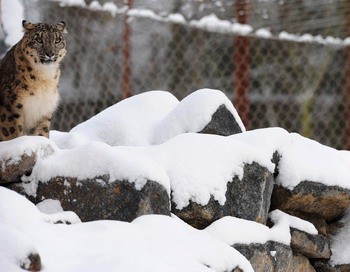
130 122
192 114
12 16
307 160
117 143
232 230
148 137
213 24
263 33
149 118
71 3
151 137
204 160
12 151
302 159
98 159
15 247
50 206
308 38
149 243
340 246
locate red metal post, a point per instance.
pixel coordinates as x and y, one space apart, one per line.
126 78
241 65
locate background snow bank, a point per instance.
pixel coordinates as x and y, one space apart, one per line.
150 243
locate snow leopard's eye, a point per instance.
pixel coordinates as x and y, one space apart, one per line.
58 40
38 39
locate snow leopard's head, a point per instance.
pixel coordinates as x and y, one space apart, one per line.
44 43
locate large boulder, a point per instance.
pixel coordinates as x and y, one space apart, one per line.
274 257
314 198
223 122
101 199
247 198
309 245
12 171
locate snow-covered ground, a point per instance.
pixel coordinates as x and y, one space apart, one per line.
135 140
149 243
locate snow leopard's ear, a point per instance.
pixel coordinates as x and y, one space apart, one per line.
61 26
27 26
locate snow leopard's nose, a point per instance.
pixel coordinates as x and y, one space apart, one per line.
50 55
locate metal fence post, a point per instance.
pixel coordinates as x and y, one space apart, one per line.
241 65
127 55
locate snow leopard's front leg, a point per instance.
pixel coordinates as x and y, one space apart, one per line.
43 127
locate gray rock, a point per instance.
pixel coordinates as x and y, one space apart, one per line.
222 123
327 202
324 266
99 199
274 257
248 198
13 171
311 246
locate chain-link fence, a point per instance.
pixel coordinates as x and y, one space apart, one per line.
298 83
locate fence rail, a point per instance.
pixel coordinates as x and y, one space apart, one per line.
298 83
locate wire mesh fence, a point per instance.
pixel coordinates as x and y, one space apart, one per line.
298 84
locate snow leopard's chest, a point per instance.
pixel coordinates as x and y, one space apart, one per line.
38 105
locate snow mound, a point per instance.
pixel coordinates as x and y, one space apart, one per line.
146 119
129 122
158 243
193 114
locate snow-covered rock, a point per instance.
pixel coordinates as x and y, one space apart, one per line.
145 155
247 197
310 245
155 117
100 198
18 157
267 249
314 198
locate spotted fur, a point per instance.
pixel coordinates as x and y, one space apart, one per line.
29 75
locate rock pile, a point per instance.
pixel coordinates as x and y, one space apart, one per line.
250 197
